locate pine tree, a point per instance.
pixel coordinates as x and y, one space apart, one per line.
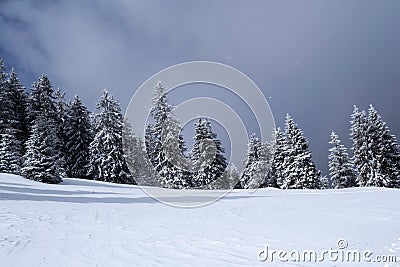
13 130
165 145
298 167
106 160
136 158
250 164
229 179
266 162
384 152
175 171
257 165
43 156
324 181
276 172
159 112
361 154
78 134
340 168
41 160
62 108
208 158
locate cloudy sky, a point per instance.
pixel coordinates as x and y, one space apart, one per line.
313 59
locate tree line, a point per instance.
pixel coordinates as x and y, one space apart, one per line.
45 138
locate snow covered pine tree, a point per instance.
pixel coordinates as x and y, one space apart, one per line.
376 153
164 135
78 134
298 169
43 158
208 160
340 167
13 130
106 160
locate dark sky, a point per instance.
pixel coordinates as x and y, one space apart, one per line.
312 59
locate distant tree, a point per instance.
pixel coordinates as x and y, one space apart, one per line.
106 160
78 134
324 181
136 158
229 179
340 167
13 131
298 168
208 160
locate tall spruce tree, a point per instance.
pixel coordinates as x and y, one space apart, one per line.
165 145
298 168
361 154
276 171
159 112
3 94
106 160
384 153
41 161
43 156
340 168
13 130
62 113
78 134
266 162
175 167
250 164
136 158
208 157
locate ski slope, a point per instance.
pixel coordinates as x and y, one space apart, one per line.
88 223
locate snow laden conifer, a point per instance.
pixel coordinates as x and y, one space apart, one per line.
208 160
298 169
340 167
252 157
62 109
257 165
106 157
266 160
165 145
136 158
229 179
360 159
78 134
43 158
376 154
159 112
384 153
175 168
13 132
276 172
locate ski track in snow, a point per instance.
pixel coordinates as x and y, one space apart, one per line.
88 223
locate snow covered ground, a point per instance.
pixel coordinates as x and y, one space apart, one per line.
86 223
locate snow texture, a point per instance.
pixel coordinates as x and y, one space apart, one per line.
90 223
